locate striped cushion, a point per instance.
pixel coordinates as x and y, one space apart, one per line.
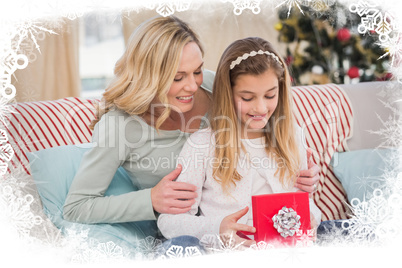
40 125
325 115
322 111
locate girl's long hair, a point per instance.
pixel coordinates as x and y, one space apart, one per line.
147 68
279 133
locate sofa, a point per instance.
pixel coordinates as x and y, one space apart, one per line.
342 124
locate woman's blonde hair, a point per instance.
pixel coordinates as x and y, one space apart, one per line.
279 131
147 68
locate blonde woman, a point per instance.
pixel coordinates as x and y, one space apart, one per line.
252 147
155 101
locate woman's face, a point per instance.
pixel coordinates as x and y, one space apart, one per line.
255 100
187 80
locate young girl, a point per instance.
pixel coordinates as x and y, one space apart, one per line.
252 146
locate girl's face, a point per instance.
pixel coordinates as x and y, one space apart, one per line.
255 100
188 78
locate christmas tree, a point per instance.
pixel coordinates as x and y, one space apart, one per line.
327 48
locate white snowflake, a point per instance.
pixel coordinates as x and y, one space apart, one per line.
368 183
304 239
393 45
165 9
26 47
76 237
29 93
15 207
392 92
261 245
384 26
391 131
368 12
240 5
394 203
83 249
9 63
3 136
11 47
77 243
373 19
149 248
110 250
391 228
291 3
6 152
192 252
85 256
50 235
227 244
182 5
71 9
168 8
5 110
29 29
174 252
319 5
367 217
393 178
209 241
25 136
362 8
293 255
3 168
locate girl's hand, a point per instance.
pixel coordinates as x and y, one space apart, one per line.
172 197
308 179
229 227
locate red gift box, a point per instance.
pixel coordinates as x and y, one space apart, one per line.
265 207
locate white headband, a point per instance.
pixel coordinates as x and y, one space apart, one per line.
252 54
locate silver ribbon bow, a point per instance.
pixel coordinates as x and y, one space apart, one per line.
286 222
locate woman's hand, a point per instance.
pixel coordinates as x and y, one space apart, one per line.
172 197
308 179
229 228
